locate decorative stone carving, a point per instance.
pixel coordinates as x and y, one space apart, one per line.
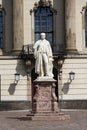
27 56
84 8
2 8
43 3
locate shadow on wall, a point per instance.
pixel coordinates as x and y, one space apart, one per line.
20 68
65 88
12 88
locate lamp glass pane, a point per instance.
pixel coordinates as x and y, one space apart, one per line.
71 75
17 77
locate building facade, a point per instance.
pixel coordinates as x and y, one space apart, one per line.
65 25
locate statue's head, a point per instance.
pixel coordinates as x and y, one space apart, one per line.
43 35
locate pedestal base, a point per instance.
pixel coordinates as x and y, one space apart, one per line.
48 117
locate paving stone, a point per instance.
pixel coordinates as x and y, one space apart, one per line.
20 120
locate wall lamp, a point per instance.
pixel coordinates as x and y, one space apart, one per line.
71 76
17 77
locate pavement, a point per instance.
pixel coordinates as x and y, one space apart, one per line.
18 120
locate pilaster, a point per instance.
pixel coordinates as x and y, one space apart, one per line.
17 25
70 25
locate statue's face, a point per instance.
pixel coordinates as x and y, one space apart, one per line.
43 36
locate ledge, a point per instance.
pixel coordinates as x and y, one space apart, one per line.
55 56
27 105
4 57
15 105
73 104
75 56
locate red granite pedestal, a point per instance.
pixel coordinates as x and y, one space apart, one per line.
45 105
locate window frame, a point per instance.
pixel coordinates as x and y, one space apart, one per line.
1 46
86 28
42 3
47 14
3 29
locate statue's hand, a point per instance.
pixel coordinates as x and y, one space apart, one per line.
50 59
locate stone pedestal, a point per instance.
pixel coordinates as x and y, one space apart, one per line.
45 99
45 105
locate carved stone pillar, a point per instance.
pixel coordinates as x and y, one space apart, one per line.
17 25
70 25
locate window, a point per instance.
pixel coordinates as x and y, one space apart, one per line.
1 29
44 23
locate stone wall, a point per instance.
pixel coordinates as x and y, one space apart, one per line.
10 91
77 88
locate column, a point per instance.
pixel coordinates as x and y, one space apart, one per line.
17 25
70 25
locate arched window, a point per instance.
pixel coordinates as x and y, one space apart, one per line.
1 29
44 23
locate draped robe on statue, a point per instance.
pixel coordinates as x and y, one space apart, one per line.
44 58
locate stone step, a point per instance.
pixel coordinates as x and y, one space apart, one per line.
48 116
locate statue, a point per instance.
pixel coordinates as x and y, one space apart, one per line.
43 56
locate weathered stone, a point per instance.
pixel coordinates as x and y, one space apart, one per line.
70 25
18 24
45 99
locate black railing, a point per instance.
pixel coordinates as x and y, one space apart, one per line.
58 48
28 49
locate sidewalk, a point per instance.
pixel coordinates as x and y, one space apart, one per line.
18 120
